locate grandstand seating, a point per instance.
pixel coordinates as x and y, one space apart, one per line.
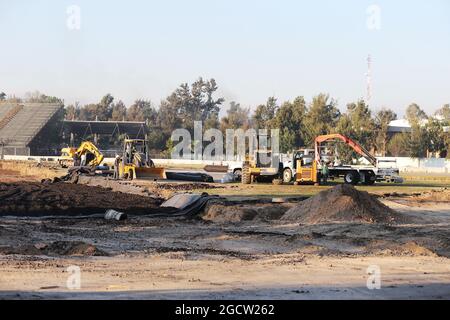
20 123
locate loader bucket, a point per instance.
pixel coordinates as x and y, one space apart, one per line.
150 173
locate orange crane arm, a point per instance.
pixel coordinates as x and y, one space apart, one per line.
353 144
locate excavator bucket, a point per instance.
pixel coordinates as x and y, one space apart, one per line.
150 173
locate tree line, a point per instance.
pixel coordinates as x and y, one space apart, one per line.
299 120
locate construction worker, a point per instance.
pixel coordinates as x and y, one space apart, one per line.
83 160
116 167
325 172
76 160
128 155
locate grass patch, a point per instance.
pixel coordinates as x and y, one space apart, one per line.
269 190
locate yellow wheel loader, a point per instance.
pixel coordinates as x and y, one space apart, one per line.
262 165
135 162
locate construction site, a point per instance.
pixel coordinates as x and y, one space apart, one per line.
303 227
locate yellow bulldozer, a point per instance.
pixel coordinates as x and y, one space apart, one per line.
135 162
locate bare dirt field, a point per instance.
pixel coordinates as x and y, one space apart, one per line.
240 246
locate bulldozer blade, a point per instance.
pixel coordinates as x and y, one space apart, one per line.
154 173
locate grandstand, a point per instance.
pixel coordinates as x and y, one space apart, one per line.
21 124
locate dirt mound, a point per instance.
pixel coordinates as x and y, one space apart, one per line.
168 189
57 248
222 213
339 204
73 248
435 195
442 195
408 248
36 199
230 212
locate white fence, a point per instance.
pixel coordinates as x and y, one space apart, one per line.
426 165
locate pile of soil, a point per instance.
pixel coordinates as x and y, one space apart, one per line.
342 203
143 188
168 189
57 248
232 212
442 195
36 199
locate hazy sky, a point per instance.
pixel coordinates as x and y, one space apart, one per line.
253 48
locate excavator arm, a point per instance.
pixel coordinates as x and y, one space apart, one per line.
89 147
353 144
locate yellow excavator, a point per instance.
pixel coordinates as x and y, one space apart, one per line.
66 158
93 156
135 162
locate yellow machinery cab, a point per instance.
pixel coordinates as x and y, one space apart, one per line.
306 172
135 162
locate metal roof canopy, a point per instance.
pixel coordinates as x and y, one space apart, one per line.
83 128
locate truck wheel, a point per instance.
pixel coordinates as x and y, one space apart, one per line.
351 177
246 176
287 175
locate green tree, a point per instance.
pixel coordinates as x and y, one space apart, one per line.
72 112
98 111
264 114
382 120
104 108
119 111
321 118
414 114
418 142
444 112
236 118
37 97
142 110
398 145
168 117
363 126
193 103
289 119
344 126
212 121
2 96
436 138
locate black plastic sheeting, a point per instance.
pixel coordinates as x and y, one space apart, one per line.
190 211
189 176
